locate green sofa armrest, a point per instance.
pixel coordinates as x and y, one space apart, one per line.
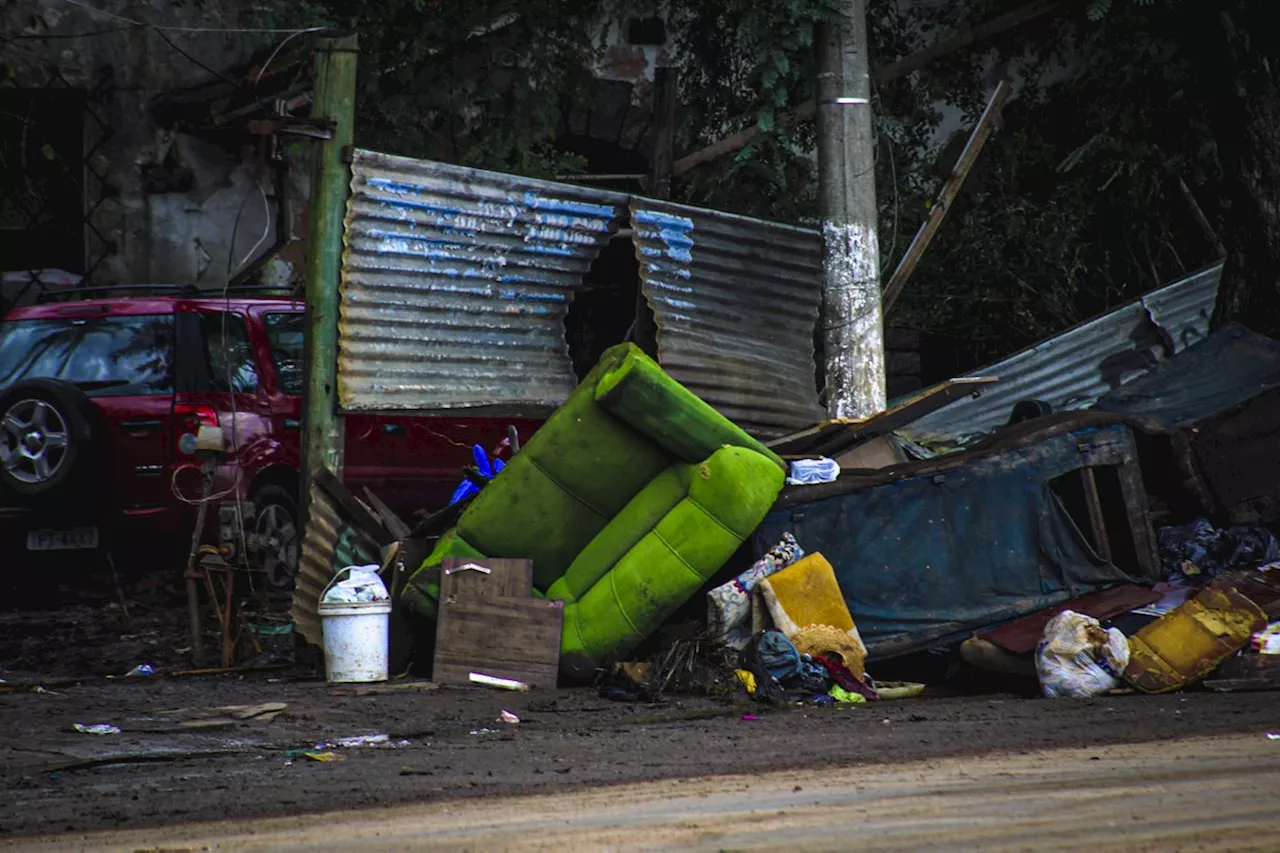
639 393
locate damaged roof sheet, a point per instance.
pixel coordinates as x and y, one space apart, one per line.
1073 369
736 301
456 283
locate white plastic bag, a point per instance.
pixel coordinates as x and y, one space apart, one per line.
1077 658
360 584
809 472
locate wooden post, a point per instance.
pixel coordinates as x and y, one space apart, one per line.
335 99
950 189
852 323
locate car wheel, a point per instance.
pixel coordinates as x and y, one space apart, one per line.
278 536
46 438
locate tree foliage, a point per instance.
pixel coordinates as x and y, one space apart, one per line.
1086 197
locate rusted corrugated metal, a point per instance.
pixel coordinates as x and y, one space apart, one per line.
736 301
329 544
1073 369
456 282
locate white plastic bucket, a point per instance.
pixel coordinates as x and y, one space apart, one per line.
355 640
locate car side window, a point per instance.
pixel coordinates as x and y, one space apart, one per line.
284 337
229 354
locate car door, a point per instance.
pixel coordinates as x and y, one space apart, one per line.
285 331
227 391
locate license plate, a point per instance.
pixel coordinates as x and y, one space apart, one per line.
77 538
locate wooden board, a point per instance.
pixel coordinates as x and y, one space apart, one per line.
507 578
833 437
1022 635
516 638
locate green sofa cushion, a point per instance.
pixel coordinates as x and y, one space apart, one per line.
622 532
671 561
573 475
640 393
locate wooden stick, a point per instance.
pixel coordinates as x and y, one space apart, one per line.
950 189
914 62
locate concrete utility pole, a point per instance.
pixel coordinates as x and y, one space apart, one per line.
852 321
335 100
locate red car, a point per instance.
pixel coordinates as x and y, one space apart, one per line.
95 394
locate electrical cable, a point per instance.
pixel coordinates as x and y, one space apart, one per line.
224 78
174 29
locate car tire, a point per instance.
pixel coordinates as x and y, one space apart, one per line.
48 440
278 536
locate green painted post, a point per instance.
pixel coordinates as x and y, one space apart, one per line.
335 99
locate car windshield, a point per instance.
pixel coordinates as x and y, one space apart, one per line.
284 335
106 356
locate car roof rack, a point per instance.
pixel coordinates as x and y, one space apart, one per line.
92 291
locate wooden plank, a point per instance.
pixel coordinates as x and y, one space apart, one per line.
1136 507
1097 523
840 434
394 524
1022 635
517 638
950 189
507 578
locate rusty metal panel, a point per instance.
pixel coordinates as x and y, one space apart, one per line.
736 301
456 283
1073 369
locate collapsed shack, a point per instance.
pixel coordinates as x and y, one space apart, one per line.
928 552
624 510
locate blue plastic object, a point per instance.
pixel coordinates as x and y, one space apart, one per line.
487 469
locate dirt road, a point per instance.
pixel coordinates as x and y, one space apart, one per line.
1199 794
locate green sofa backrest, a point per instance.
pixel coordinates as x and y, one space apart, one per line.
627 422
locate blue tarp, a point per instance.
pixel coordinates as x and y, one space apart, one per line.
928 559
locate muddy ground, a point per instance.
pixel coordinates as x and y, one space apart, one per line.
177 759
1203 794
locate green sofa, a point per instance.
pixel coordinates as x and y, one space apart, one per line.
630 496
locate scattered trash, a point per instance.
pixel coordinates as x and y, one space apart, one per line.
324 756
96 729
484 731
361 584
748 680
810 472
1273 735
847 697
806 604
887 690
1200 548
365 740
141 670
750 718
1267 642
1078 658
1188 643
508 717
729 605
494 681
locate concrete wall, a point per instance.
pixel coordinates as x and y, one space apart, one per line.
169 237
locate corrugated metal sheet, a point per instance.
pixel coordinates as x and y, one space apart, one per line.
1073 369
456 282
736 301
329 543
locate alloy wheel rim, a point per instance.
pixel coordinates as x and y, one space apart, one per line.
33 441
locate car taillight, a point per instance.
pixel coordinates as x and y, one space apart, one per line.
188 418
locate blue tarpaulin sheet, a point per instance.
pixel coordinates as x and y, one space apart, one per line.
927 560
